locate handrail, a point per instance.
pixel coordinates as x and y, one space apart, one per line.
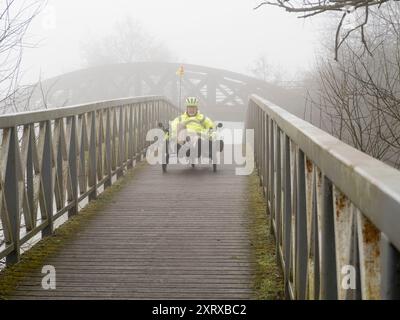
333 208
21 118
51 160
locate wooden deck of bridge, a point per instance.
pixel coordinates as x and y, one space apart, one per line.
183 234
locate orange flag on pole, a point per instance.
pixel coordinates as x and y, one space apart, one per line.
180 71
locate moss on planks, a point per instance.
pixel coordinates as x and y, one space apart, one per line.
268 278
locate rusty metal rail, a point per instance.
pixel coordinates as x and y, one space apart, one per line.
335 211
53 160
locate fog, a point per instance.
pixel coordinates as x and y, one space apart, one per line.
222 34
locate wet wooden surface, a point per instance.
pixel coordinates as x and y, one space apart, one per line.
182 234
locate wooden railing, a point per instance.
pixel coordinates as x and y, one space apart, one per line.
53 160
335 211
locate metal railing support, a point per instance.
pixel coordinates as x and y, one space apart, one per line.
63 156
334 211
11 198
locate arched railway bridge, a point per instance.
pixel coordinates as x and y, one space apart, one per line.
222 93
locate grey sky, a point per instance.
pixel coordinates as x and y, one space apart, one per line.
226 34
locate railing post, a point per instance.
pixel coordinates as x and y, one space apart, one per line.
143 127
72 163
93 157
136 132
100 143
114 134
147 125
254 122
152 113
315 226
82 147
287 218
47 178
328 282
390 273
130 137
159 118
301 229
58 137
312 286
262 150
259 140
30 174
265 155
108 156
126 136
120 142
278 210
140 130
143 118
267 164
272 172
12 195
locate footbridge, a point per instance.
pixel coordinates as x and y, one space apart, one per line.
111 225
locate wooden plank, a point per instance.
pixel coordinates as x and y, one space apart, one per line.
182 234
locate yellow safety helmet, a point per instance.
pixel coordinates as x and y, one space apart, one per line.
192 102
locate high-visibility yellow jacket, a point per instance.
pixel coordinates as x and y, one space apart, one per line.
197 124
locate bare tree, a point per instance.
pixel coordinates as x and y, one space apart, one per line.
264 70
15 19
358 97
309 8
127 42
